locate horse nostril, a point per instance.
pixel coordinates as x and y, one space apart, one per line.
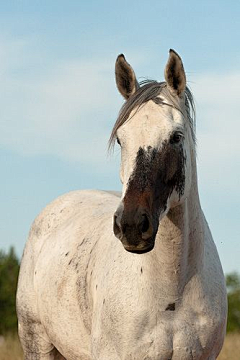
144 226
116 227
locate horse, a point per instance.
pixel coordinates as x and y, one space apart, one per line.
136 276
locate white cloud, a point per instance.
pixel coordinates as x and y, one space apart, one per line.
218 127
67 110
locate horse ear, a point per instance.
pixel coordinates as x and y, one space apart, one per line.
125 77
175 74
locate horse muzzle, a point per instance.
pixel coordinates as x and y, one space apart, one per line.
135 229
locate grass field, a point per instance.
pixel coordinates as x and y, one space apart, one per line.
10 349
231 348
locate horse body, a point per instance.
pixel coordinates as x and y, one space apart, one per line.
81 295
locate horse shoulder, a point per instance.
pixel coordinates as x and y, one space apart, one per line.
57 261
204 302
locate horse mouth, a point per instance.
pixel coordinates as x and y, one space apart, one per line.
139 250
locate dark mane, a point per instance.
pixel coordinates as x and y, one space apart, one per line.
150 90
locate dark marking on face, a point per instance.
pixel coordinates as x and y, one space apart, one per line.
170 307
96 287
67 253
141 270
157 173
70 262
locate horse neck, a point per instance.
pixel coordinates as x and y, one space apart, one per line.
179 241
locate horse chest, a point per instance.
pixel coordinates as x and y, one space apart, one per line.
153 334
144 322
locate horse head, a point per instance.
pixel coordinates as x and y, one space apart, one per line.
155 132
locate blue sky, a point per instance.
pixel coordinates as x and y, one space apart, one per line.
58 100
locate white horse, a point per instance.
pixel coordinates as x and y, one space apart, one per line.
144 282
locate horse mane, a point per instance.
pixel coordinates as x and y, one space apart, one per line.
150 90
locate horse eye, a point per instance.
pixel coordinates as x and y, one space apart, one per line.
176 138
118 141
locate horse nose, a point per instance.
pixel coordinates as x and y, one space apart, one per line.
140 223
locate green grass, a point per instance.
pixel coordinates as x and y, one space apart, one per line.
10 349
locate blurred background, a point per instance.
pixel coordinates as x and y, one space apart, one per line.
59 102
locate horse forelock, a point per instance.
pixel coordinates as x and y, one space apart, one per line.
151 90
